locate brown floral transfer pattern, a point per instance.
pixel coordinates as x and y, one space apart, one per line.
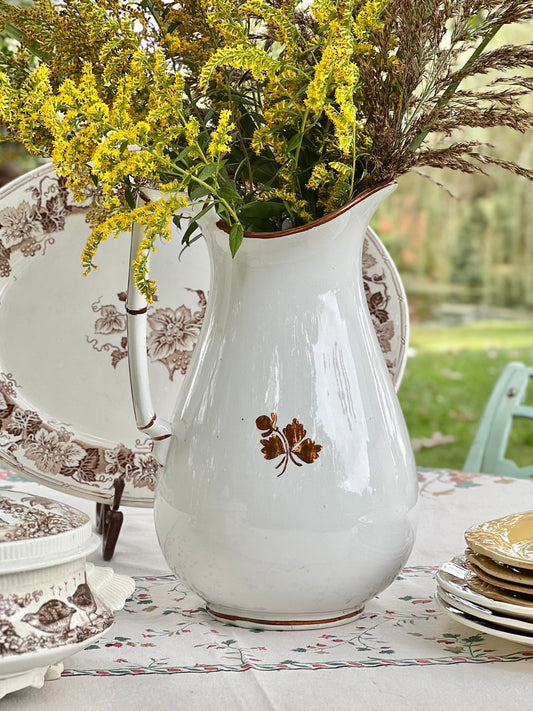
52 623
378 300
36 517
34 444
287 443
11 603
26 440
172 333
28 227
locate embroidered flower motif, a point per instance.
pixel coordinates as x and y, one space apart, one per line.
172 330
50 454
464 479
110 321
19 223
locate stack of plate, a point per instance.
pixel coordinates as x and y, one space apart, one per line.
490 587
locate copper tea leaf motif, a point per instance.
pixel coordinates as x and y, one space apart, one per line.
294 433
272 447
307 451
287 443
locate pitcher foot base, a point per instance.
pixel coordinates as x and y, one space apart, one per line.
273 621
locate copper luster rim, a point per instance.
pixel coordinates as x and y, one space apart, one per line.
321 220
283 623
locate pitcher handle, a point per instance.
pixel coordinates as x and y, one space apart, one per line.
148 422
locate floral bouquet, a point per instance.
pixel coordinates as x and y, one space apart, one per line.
271 112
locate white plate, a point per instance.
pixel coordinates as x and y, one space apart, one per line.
484 613
457 586
66 418
486 627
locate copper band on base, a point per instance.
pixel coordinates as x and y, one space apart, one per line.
283 623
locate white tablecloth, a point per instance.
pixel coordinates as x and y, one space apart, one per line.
163 650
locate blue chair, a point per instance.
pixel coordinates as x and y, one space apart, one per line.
506 402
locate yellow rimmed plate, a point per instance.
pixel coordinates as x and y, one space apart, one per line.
504 585
507 540
455 576
506 573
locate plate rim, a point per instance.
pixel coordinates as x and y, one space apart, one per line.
468 621
497 553
512 572
476 597
514 623
506 585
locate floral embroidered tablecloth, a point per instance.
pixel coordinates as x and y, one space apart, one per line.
165 630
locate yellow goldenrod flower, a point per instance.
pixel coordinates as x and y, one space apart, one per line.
368 18
282 19
192 129
221 137
258 62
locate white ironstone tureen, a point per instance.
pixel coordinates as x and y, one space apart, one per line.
53 603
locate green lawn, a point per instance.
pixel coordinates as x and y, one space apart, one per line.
448 380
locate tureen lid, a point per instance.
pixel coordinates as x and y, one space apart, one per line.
36 532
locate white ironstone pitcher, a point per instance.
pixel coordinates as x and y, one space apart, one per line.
286 495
